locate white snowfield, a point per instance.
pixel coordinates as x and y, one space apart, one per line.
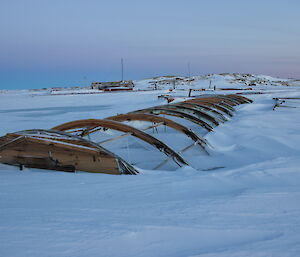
245 203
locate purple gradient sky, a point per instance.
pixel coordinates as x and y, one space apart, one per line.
47 43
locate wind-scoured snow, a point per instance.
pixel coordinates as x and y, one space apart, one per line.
241 200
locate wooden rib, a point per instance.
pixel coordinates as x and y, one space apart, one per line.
10 141
159 119
200 114
231 101
240 98
215 105
35 151
125 135
177 113
213 111
94 123
57 150
225 103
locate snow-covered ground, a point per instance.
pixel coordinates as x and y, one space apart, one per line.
250 207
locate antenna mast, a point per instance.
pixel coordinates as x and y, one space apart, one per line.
122 69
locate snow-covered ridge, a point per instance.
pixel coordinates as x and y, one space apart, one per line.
210 81
224 80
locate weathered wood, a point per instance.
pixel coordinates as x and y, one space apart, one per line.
164 121
216 105
91 124
213 111
36 151
58 150
199 113
242 99
177 113
125 135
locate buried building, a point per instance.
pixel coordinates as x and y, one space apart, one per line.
123 143
128 84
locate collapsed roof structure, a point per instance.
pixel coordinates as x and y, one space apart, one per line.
78 145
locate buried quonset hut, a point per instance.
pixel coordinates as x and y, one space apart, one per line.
123 143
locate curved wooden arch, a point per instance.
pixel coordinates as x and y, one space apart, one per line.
231 101
159 119
219 114
91 124
220 101
244 100
215 105
197 112
225 99
179 114
56 150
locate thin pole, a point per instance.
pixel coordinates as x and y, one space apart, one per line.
189 71
122 69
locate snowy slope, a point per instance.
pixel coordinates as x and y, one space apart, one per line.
250 207
225 80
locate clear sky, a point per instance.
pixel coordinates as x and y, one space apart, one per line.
49 43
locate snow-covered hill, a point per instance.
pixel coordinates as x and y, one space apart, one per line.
225 80
207 82
249 206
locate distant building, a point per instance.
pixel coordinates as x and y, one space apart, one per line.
114 84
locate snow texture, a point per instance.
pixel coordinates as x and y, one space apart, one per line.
241 200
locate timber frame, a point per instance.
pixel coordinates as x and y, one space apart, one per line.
199 113
159 119
55 150
91 125
177 113
63 147
215 105
219 115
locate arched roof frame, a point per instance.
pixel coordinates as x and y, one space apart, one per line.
200 114
242 99
209 109
179 114
219 107
91 124
49 149
159 119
